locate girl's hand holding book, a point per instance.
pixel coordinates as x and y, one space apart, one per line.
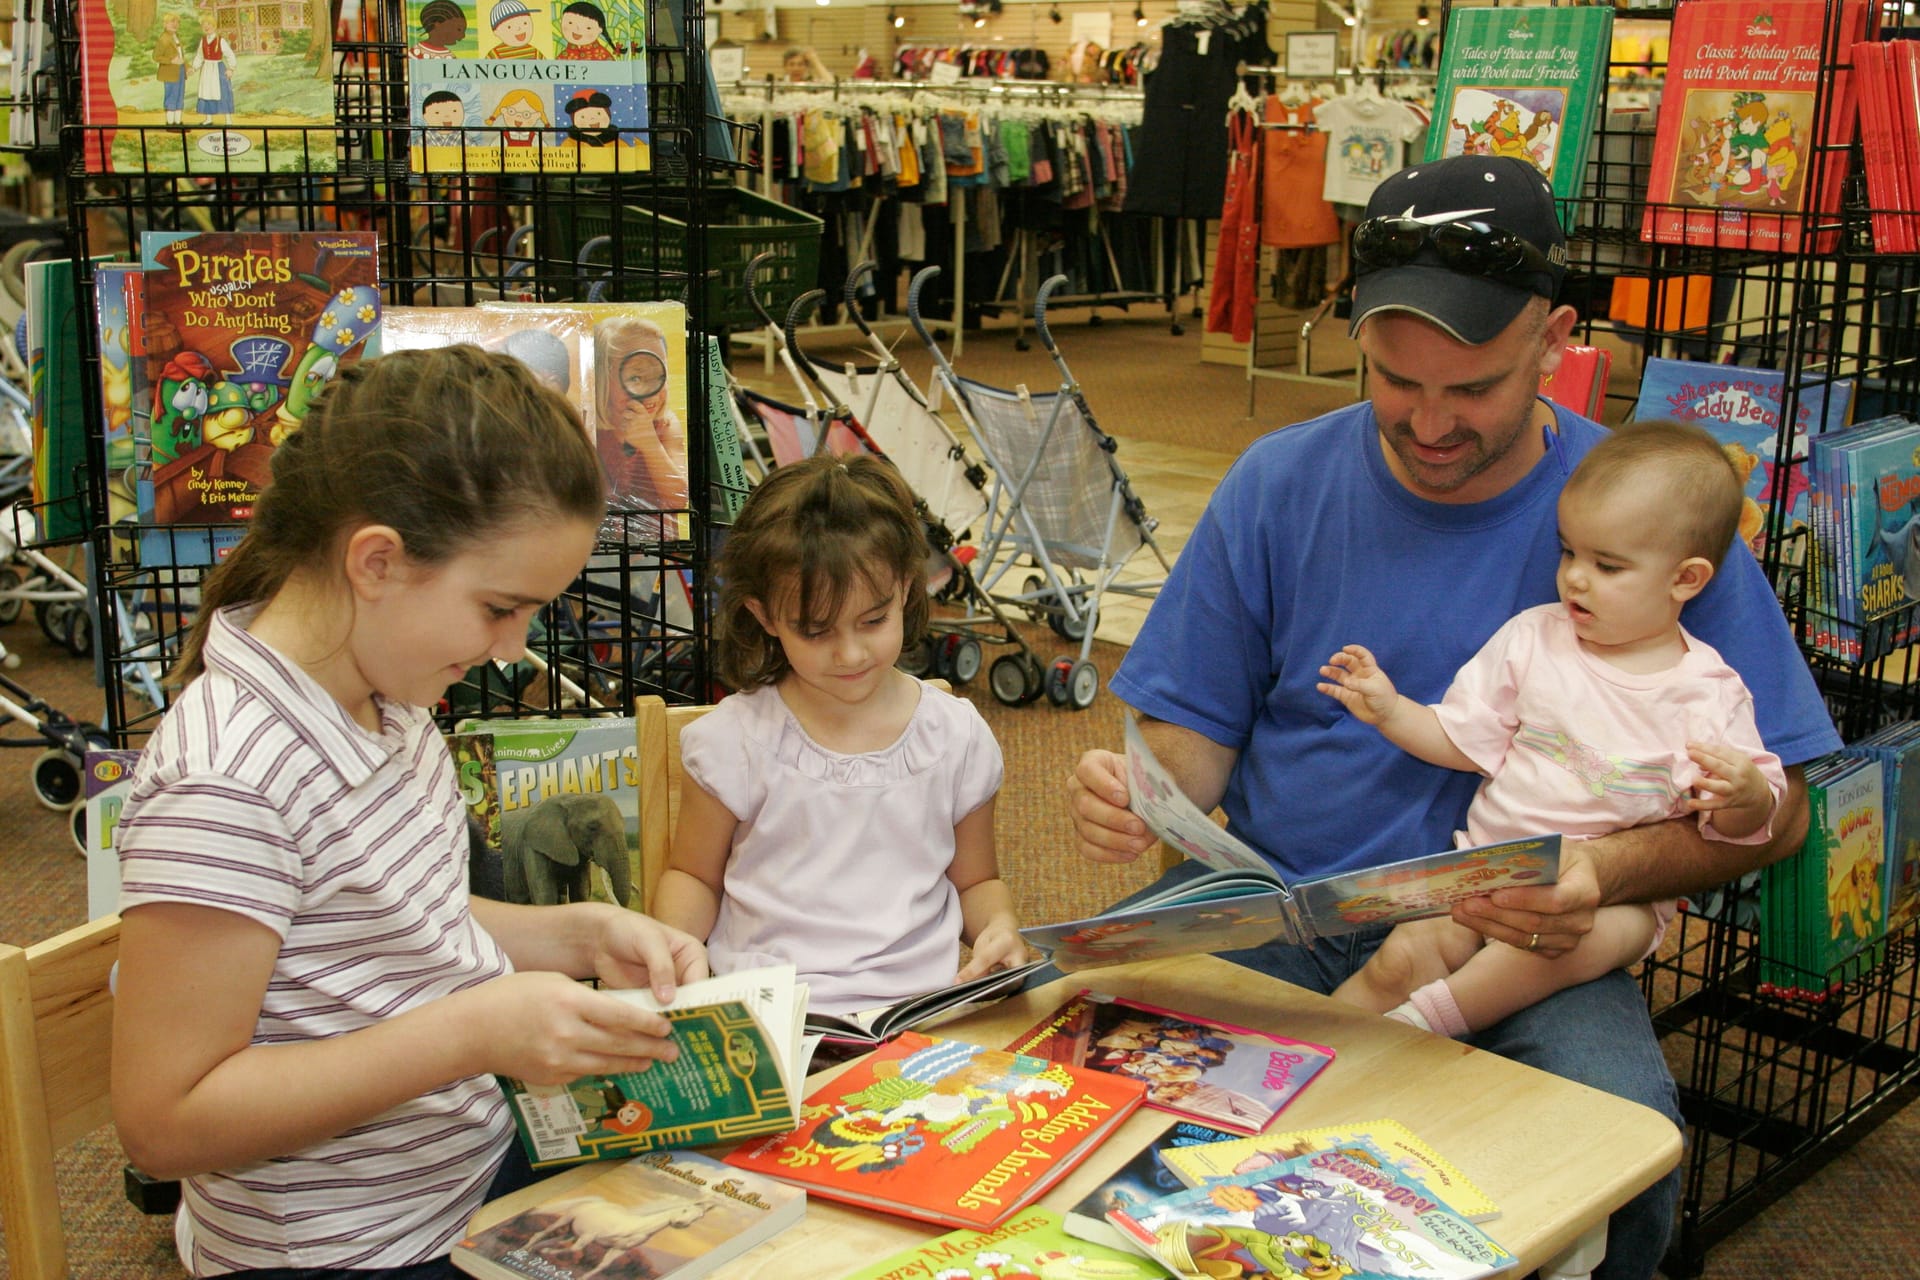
632 950
999 946
547 1028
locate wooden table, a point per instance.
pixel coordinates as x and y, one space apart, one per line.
1556 1156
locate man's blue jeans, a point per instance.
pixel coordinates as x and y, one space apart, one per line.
1598 1034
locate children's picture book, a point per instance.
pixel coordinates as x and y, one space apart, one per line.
1193 1166
945 1131
108 780
1896 748
1143 1178
1825 905
726 464
1523 82
1870 483
1352 1211
554 342
1738 139
876 1026
1033 1245
743 1053
1742 407
1233 1077
527 86
662 1216
1242 901
242 330
119 299
56 415
567 804
207 86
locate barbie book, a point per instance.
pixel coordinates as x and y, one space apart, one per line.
1232 1077
1241 901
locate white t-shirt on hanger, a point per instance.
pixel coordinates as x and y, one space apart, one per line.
1366 142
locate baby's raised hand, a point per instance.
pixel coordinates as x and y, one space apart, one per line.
1730 786
546 1028
1355 680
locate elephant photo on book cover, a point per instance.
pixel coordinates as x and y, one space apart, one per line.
549 850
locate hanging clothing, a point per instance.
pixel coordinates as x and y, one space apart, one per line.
1367 142
1293 165
1236 262
1180 157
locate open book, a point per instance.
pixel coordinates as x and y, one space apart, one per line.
870 1027
744 1051
1241 901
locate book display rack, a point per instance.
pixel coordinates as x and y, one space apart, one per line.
453 232
1771 1087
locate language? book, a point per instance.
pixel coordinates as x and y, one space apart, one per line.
1143 1178
743 1054
1033 1245
1211 1071
945 1131
664 1216
1345 1212
1196 1165
1242 902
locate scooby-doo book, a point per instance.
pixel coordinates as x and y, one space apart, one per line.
945 1131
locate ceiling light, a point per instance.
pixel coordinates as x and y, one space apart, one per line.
894 16
1420 16
1053 14
1139 16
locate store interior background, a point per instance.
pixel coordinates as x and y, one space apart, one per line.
1179 406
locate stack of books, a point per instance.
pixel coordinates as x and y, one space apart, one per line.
1890 139
1824 910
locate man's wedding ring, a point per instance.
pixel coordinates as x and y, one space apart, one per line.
1533 941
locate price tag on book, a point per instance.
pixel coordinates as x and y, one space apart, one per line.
553 1120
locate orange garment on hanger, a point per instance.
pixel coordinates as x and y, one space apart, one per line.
1293 162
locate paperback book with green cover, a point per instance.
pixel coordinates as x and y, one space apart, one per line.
1523 82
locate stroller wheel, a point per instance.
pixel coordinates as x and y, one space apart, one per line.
52 617
918 659
79 632
1058 677
1035 584
1072 629
960 658
77 824
56 779
1008 679
1083 682
12 579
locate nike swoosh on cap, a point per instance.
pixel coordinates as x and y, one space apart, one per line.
1432 219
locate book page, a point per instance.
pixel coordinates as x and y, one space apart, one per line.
1158 801
1424 886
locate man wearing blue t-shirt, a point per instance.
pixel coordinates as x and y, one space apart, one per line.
1417 524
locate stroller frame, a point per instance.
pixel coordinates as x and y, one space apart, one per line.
1069 602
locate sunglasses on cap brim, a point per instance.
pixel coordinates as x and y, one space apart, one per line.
1468 248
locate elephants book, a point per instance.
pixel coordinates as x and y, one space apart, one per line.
555 806
670 1217
743 1053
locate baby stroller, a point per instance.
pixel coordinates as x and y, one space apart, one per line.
57 772
1057 500
896 424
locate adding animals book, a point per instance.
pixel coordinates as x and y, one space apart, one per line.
527 86
1194 1166
945 1131
1033 1245
663 1216
177 86
1212 1071
1523 82
1353 1211
1741 407
743 1054
1242 902
1738 138
241 331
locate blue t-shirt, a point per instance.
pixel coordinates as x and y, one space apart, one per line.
1311 543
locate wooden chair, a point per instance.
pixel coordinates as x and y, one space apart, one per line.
56 1042
658 727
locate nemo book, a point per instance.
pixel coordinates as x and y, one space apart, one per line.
945 1131
1749 122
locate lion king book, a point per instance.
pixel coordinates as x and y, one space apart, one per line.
1242 902
667 1216
945 1131
1738 138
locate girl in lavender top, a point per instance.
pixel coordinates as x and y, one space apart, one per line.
310 1009
837 814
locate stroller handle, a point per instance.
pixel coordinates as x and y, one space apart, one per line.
854 277
914 287
848 293
750 282
1047 290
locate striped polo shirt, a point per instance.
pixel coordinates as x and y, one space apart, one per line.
259 794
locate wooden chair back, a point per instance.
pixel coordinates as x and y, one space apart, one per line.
661 773
56 1045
